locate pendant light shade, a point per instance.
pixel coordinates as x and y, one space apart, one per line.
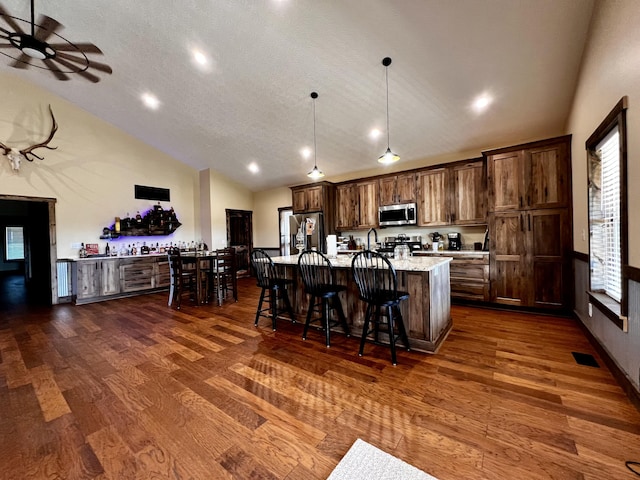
388 156
315 173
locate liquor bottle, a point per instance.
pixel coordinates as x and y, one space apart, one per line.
107 250
83 251
138 218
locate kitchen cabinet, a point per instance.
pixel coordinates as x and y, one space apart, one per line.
397 189
312 198
433 197
468 202
357 205
452 195
528 177
530 224
469 273
97 279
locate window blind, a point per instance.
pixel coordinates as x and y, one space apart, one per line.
15 243
609 153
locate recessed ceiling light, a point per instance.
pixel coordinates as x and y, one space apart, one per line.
375 134
482 102
253 167
305 152
200 58
150 101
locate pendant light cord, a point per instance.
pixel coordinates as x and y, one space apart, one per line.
386 74
315 155
32 21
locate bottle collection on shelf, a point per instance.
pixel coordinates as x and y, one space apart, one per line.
156 221
141 248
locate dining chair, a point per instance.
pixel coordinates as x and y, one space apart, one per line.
319 283
378 288
273 285
182 280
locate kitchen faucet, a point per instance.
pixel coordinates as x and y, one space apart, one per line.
369 237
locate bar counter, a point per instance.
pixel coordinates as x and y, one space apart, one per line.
427 313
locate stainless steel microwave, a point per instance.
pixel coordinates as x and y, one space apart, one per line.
404 214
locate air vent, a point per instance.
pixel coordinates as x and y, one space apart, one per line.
585 359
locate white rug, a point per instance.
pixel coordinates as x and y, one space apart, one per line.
366 462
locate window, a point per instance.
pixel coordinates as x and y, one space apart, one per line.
607 164
14 243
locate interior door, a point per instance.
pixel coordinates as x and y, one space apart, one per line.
240 237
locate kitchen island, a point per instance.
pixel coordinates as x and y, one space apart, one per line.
427 313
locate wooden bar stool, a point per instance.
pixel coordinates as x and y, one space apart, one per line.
378 287
319 282
182 280
270 281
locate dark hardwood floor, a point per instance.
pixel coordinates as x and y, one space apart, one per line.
130 389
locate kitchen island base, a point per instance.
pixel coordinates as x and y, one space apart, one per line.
426 314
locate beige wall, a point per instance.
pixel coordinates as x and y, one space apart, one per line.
610 70
265 217
93 171
223 193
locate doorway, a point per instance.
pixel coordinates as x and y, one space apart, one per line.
240 237
30 280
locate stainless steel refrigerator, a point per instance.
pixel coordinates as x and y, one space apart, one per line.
307 231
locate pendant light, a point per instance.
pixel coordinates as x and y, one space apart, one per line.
388 156
315 173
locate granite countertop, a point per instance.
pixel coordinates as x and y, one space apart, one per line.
451 253
413 264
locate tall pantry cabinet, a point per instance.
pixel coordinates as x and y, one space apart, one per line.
530 224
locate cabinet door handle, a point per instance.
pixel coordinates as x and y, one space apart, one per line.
520 201
453 217
521 223
528 199
546 194
529 221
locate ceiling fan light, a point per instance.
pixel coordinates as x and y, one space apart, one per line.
388 157
315 173
33 53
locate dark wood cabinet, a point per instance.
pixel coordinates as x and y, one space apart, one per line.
453 195
357 205
530 224
397 189
311 198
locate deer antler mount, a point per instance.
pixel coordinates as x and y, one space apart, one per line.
16 156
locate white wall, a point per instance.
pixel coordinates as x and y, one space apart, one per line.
610 71
93 171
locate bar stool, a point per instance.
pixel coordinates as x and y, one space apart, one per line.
182 280
269 280
378 287
223 276
319 282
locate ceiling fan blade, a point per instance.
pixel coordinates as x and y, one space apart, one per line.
46 27
83 73
54 69
6 45
21 62
4 33
74 47
10 21
101 67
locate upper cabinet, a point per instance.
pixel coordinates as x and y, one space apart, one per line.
452 195
468 193
308 199
532 177
357 205
397 189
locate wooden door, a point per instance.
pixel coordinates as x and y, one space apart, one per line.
240 237
505 181
469 194
406 188
433 192
548 181
548 244
346 206
509 278
367 204
387 190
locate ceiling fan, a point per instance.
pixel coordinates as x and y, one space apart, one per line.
42 47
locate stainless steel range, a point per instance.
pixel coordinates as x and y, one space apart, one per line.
414 243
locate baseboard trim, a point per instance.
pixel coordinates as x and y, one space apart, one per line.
622 379
581 256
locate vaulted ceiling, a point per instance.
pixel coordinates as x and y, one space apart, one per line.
249 103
